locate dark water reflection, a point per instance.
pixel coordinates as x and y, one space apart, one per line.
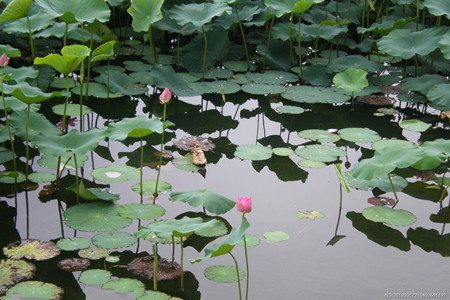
371 260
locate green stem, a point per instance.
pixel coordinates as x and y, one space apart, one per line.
11 136
152 45
64 123
205 50
30 35
76 178
155 194
417 15
182 264
268 43
393 190
91 43
141 166
65 35
27 148
238 275
155 268
243 38
81 95
178 51
299 41
247 268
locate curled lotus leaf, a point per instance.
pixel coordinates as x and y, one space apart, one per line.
13 271
35 290
32 249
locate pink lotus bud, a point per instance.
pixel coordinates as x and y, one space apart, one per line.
165 96
244 204
4 60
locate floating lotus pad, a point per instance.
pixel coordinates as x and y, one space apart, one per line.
319 135
212 202
237 65
153 295
414 125
398 217
305 163
95 277
439 97
32 249
112 240
276 236
93 253
289 109
112 259
185 163
35 290
218 73
137 127
253 152
13 271
141 211
272 77
223 274
321 153
10 177
115 174
96 90
359 135
97 216
72 110
309 94
42 177
379 145
124 285
214 87
148 187
72 244
283 151
310 214
251 240
262 89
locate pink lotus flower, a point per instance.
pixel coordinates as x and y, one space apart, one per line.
4 60
244 204
165 96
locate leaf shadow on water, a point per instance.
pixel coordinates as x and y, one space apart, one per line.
378 232
7 226
430 240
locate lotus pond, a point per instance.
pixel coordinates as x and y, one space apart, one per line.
246 149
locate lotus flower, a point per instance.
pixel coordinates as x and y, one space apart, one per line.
165 96
4 60
244 204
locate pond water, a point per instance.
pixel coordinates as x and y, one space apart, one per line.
368 261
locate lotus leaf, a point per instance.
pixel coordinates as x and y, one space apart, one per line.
319 135
112 240
276 236
359 135
309 94
380 144
124 286
323 31
398 217
35 290
145 13
93 253
197 14
414 125
321 153
96 90
66 62
141 211
37 125
32 249
439 96
354 61
119 82
289 109
214 87
29 94
115 174
137 127
223 274
97 216
95 276
305 163
271 77
422 83
351 80
176 227
76 243
153 295
438 7
16 9
262 89
11 177
250 240
434 154
148 187
310 214
80 11
283 151
253 152
13 271
444 45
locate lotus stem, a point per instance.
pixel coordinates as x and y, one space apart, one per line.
27 147
81 95
243 38
268 42
205 50
182 264
299 41
155 194
11 136
30 35
173 249
247 268
393 190
340 210
155 268
91 43
417 15
65 104
152 45
65 35
237 274
141 175
348 9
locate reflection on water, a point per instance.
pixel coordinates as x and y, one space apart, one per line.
342 256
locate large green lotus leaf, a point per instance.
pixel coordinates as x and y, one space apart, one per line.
289 109
32 249
406 43
434 154
30 94
223 274
75 142
246 12
439 96
354 61
253 152
176 227
141 211
16 9
277 55
35 290
165 76
76 243
137 127
262 89
414 125
272 77
22 73
96 90
38 21
315 75
321 153
115 174
72 109
10 51
149 186
111 240
197 13
10 177
351 80
309 94
68 62
359 135
97 216
214 87
37 124
319 135
124 286
227 245
13 271
51 161
381 144
93 253
118 82
438 7
323 31
212 202
251 241
102 52
95 276
398 217
282 7
382 183
444 45
422 83
145 13
283 151
79 11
